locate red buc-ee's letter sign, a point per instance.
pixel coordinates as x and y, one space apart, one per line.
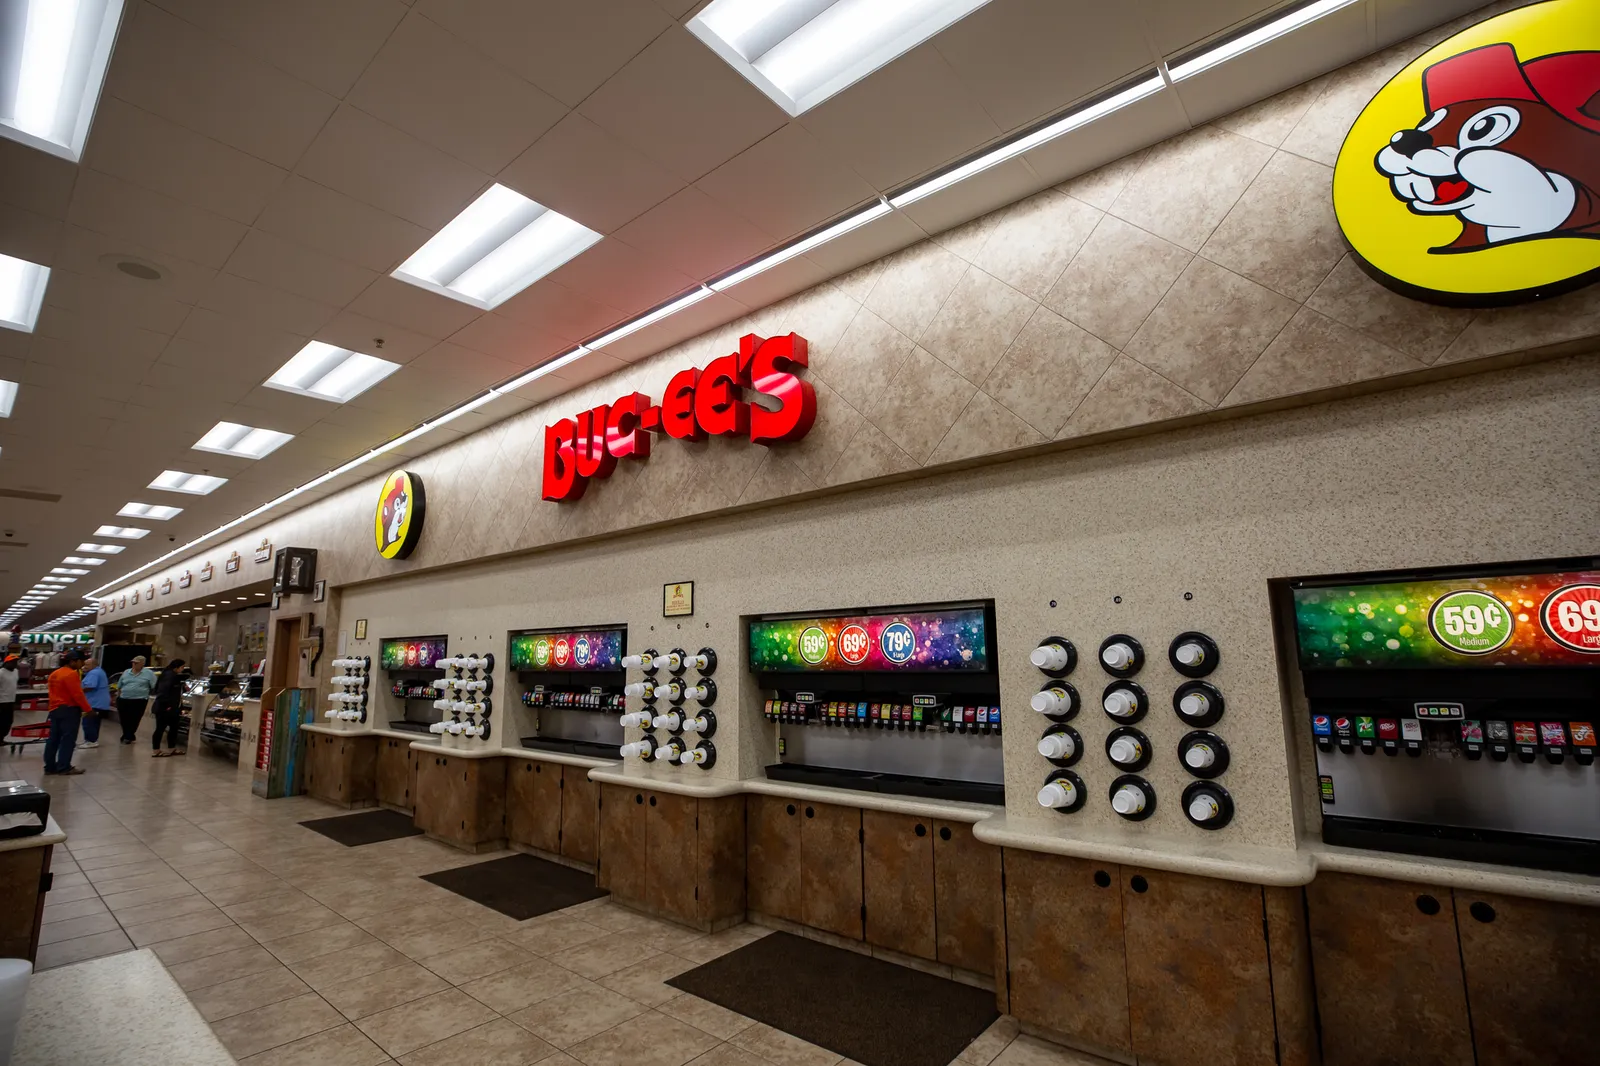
698 403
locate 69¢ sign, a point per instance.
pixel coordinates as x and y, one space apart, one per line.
1570 616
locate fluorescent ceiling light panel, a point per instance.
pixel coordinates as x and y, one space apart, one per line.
328 372
22 287
122 532
67 580
242 442
800 52
103 549
84 560
1028 142
8 394
193 484
499 245
52 69
158 511
67 570
1268 31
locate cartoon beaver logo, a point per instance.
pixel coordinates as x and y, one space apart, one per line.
1492 195
398 521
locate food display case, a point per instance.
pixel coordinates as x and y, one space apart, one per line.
411 666
222 714
887 699
572 680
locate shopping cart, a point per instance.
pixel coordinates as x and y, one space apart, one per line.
23 735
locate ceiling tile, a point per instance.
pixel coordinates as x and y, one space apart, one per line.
560 312
520 344
321 218
1024 59
586 174
566 47
35 180
326 44
906 119
157 154
229 294
28 235
680 104
117 209
379 165
430 84
787 183
360 333
229 340
165 65
391 300
694 234
95 254
295 268
1176 24
475 369
615 274
101 341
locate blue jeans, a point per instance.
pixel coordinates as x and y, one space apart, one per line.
91 726
62 739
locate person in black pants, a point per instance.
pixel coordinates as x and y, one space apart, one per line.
168 708
134 686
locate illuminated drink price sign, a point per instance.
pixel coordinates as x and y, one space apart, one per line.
1470 622
567 650
1571 617
932 640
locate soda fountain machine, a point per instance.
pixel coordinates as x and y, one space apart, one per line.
412 667
1454 711
894 699
572 681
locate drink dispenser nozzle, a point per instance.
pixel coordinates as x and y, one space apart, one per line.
633 719
1058 794
1199 756
1120 703
642 661
639 749
1057 746
1128 800
642 689
1052 655
1118 656
671 690
1054 699
1204 807
671 720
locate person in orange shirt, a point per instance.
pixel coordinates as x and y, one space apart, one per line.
68 705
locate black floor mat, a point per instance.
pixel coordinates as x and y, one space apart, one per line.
369 827
519 886
854 1005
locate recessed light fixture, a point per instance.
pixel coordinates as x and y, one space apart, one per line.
67 580
83 560
158 511
8 397
122 532
243 442
67 570
103 549
800 52
1252 37
193 484
499 245
22 286
330 373
53 69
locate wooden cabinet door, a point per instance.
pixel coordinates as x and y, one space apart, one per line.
1388 970
21 880
622 842
533 804
320 775
671 856
830 869
720 873
966 893
358 769
772 856
395 769
430 774
898 883
1199 981
1064 949
1531 969
580 815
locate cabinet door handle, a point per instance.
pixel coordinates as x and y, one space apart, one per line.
639 798
944 832
810 813
1482 911
1427 904
791 810
1102 879
652 801
922 830
1139 884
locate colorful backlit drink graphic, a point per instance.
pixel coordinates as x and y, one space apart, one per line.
944 640
587 649
411 653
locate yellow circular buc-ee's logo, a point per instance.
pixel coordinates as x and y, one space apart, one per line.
397 523
1473 177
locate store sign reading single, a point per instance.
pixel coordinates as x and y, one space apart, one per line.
402 509
698 403
1473 177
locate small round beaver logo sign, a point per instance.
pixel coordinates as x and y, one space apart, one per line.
1473 177
397 523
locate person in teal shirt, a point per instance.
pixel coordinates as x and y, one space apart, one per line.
97 687
134 686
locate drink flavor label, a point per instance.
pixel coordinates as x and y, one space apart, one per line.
1365 728
1343 726
1472 731
1321 725
1388 729
1497 731
1411 729
1525 733
1582 734
1553 734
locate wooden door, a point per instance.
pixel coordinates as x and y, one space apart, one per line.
358 769
395 771
429 777
321 777
622 841
1531 970
1064 950
830 869
1390 991
22 875
772 857
966 891
898 882
580 815
533 804
720 872
671 856
285 669
1199 981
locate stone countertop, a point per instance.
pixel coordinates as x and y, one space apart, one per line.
1549 885
330 730
123 1009
53 834
540 755
464 753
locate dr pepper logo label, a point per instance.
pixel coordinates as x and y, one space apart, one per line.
698 403
1473 177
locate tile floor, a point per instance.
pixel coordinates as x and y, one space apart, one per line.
302 952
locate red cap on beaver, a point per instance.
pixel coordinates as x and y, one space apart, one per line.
1568 83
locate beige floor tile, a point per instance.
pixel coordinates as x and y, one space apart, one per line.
165 909
80 948
275 1025
781 1049
223 966
601 957
282 902
522 986
557 932
460 965
153 879
227 998
577 1015
443 936
348 964
73 928
309 945
404 1029
112 874
60 893
644 982
497 1043
288 923
199 945
246 888
990 1043
139 897
705 1015
377 992
344 1046
729 1055
1030 1051
151 933
60 911
653 1040
719 944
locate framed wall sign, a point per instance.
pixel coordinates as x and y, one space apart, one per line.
276 599
361 629
677 599
319 592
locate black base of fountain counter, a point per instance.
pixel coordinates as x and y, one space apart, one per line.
589 749
893 784
406 726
